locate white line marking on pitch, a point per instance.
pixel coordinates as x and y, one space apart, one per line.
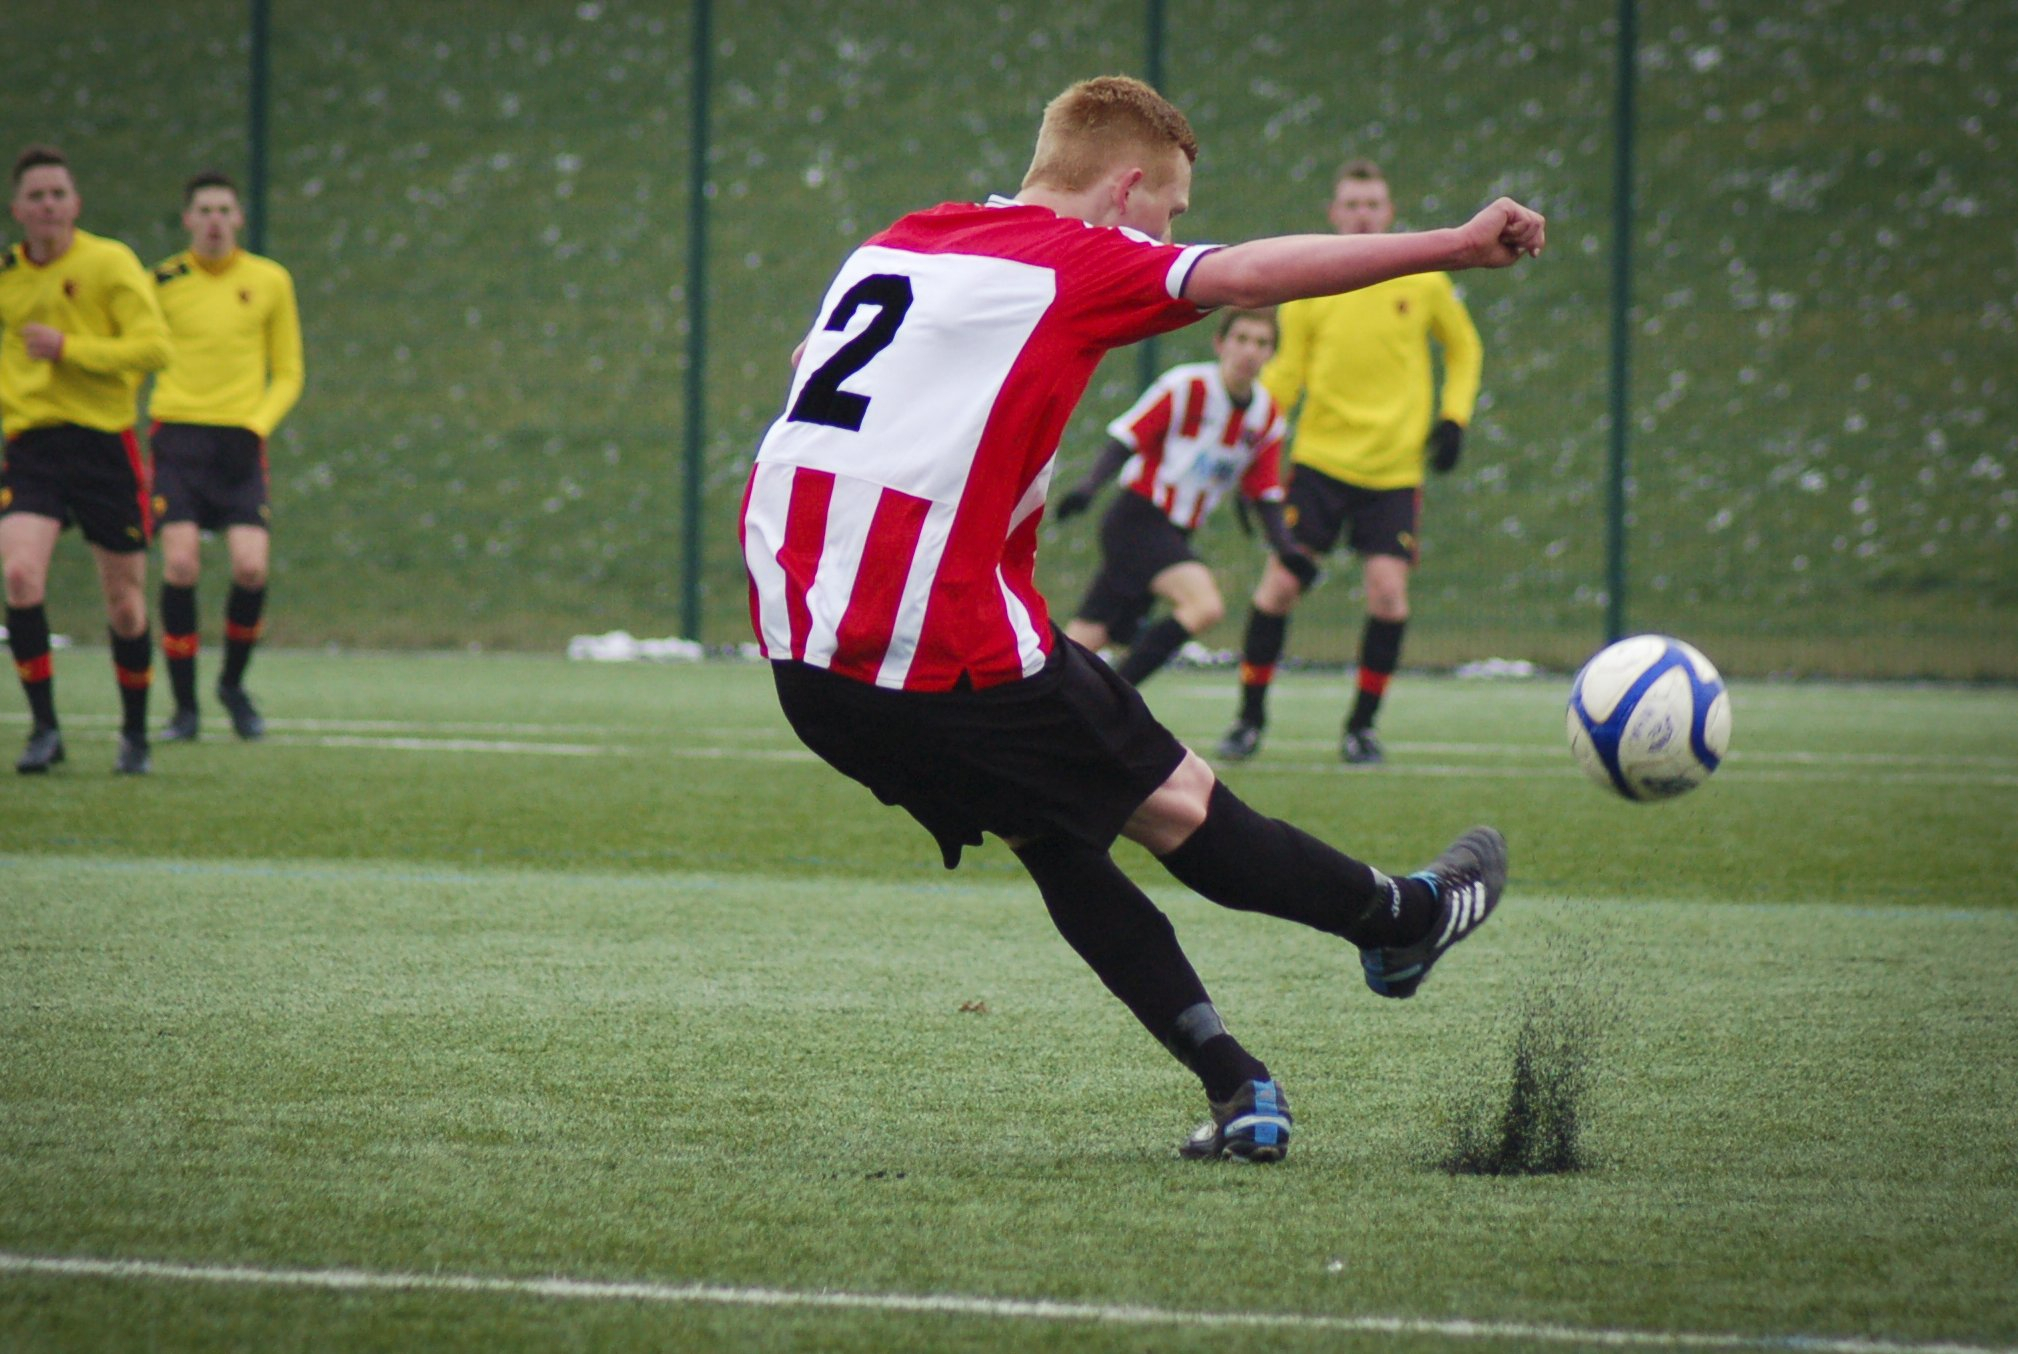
1904 768
443 745
1550 751
374 725
356 1280
546 749
1810 776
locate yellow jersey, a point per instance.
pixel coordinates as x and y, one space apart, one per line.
237 342
1360 365
97 293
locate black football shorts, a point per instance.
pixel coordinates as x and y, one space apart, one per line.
210 475
1071 752
1373 521
1137 542
80 475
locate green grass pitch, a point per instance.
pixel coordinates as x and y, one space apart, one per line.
504 1003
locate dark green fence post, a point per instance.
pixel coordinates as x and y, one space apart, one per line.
697 319
1622 282
255 128
1148 367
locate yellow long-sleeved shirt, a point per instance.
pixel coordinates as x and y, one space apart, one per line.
97 293
1360 363
237 334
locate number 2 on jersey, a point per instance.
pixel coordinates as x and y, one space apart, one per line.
822 400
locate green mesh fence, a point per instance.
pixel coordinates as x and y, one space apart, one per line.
484 205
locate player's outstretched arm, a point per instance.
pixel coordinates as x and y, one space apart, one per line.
1291 267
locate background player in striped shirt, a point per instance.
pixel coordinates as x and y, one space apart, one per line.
82 329
1355 371
890 530
1197 432
237 372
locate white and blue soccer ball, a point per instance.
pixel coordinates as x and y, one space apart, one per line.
1649 718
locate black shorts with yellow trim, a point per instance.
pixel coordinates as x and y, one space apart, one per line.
211 475
1071 752
82 476
1372 521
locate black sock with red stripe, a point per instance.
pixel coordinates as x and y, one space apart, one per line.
1130 944
1379 656
28 638
1259 653
1152 649
241 632
179 642
133 662
1240 859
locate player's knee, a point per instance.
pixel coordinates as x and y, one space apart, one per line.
1092 634
251 577
1390 608
1201 614
25 583
127 615
1278 592
1176 810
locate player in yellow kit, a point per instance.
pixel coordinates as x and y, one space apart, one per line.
1359 366
237 371
81 329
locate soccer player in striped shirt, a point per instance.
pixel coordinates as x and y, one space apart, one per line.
237 372
82 329
1199 431
890 528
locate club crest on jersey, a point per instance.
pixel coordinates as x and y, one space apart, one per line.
245 296
1401 305
70 289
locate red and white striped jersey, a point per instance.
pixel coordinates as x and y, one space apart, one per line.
890 523
1192 442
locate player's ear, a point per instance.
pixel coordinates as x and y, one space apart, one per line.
1124 185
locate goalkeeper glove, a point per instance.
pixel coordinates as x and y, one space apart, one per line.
1446 442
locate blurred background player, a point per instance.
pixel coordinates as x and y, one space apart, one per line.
237 371
1198 430
1359 363
82 329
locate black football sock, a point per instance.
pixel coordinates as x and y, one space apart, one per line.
1260 651
28 638
1130 944
179 642
1379 656
1240 859
1152 649
241 631
133 662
